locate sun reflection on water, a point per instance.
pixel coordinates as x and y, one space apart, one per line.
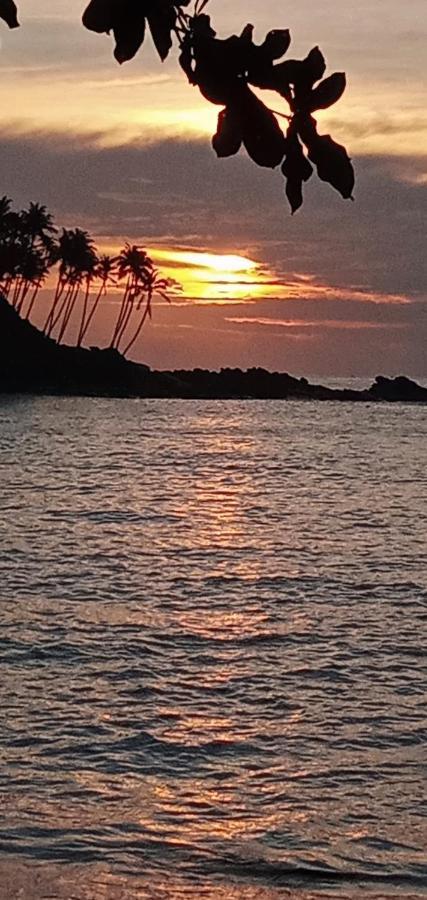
207 676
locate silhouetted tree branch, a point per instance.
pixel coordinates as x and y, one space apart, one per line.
225 72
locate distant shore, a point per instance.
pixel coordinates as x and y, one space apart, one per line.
32 363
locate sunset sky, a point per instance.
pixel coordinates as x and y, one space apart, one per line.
339 288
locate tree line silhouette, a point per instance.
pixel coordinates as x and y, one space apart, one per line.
225 72
31 248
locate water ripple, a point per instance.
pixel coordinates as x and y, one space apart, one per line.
212 661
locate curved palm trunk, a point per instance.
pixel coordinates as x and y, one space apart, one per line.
60 306
84 314
16 291
92 313
7 286
60 287
23 296
33 300
125 321
68 312
147 312
123 308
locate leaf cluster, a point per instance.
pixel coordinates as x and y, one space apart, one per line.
226 71
128 20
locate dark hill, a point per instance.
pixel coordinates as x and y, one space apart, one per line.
33 363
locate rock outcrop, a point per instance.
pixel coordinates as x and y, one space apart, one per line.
32 363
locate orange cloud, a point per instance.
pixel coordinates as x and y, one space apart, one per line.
304 323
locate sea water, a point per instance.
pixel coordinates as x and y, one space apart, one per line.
212 649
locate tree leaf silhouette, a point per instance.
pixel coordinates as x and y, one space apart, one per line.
9 13
276 78
186 60
259 58
262 136
276 43
306 126
295 163
214 65
312 67
333 164
296 169
162 19
247 34
228 138
294 193
126 18
328 91
100 15
129 37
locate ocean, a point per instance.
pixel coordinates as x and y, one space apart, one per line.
212 648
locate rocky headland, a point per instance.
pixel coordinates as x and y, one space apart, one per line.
32 363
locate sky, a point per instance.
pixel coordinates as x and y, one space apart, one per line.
124 151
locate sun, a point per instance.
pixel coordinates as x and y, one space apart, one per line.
205 277
214 262
213 277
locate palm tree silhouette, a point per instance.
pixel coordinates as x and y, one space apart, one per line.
134 266
82 261
26 241
105 272
33 269
77 260
5 205
29 249
154 284
60 256
10 249
38 224
37 242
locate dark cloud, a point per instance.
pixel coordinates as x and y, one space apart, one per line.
177 193
177 190
53 42
380 125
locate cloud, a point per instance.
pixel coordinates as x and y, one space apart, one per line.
303 324
381 124
346 263
57 72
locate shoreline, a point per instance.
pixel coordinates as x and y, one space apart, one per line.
31 363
